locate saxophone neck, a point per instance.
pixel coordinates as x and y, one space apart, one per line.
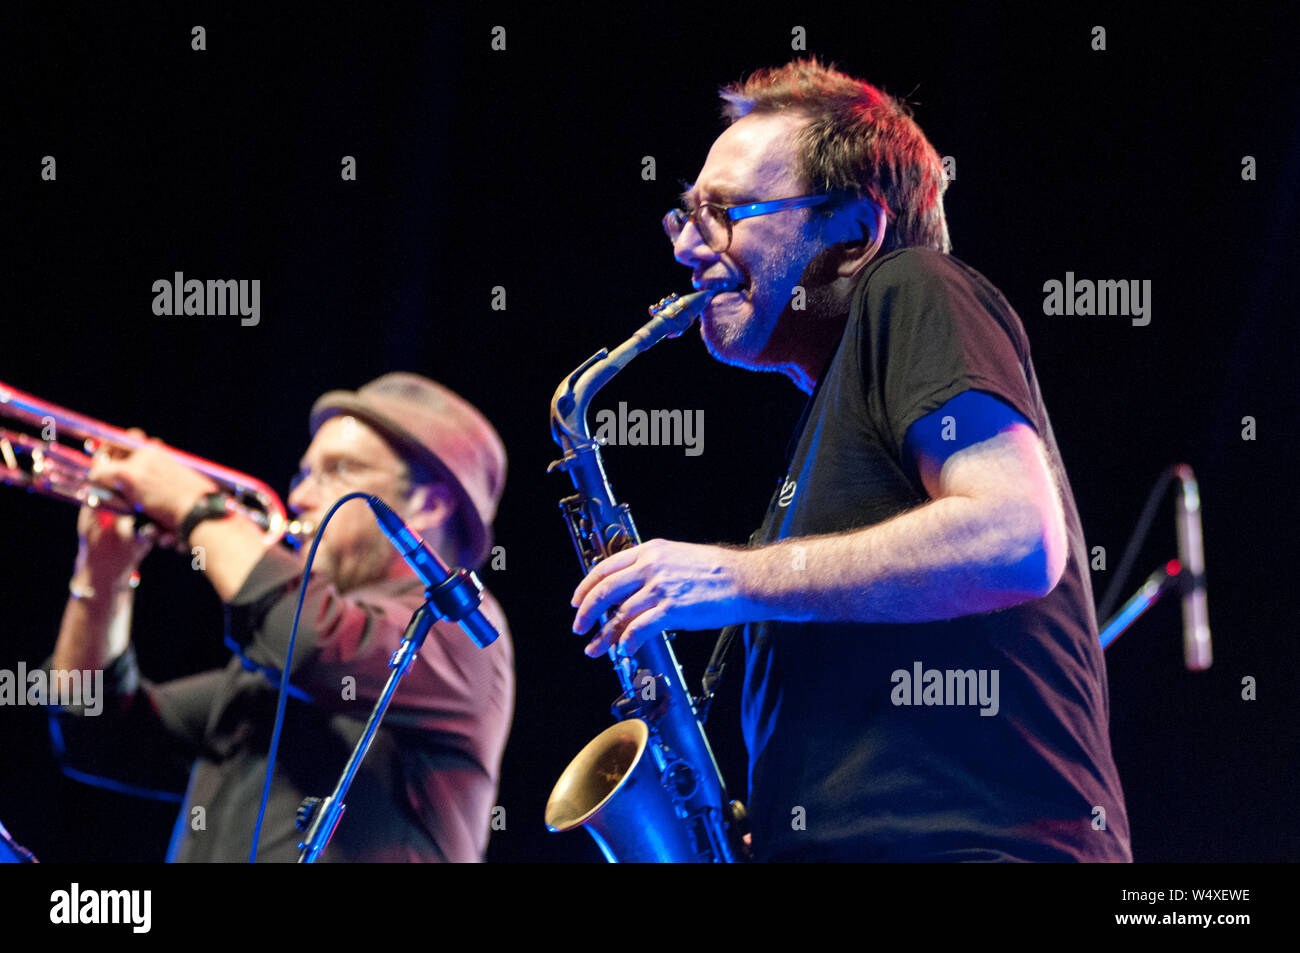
669 318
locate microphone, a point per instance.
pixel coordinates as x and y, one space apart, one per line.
1196 618
456 595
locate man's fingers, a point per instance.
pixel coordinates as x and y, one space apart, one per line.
611 591
642 600
641 628
113 451
600 571
103 470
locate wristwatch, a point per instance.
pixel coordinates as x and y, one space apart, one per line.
211 506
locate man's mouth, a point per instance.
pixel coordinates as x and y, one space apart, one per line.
723 288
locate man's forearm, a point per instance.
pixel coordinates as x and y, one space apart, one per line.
231 548
95 630
953 556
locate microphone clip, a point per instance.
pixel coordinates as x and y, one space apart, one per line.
457 596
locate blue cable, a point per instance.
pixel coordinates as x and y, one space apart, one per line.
288 667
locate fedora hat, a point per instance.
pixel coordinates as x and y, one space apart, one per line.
432 426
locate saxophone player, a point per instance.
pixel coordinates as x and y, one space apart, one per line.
923 679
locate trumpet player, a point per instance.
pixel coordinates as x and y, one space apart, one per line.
426 790
923 679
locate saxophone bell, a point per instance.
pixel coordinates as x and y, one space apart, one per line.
612 788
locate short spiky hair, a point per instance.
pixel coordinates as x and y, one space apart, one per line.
859 141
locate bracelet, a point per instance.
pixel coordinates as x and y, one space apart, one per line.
79 591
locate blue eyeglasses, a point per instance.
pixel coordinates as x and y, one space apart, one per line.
714 221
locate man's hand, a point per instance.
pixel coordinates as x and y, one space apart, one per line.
109 549
661 585
151 480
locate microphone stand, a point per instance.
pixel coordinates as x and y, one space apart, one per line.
1186 573
1169 576
452 599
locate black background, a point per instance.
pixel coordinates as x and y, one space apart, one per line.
523 168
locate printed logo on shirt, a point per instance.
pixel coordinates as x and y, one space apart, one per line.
132 907
787 493
923 686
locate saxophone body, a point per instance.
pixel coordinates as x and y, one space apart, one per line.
648 788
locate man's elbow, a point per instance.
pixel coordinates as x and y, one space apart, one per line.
1043 547
1048 554
1046 573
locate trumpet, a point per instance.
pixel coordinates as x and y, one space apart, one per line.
43 464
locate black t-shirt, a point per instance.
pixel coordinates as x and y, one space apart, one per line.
839 766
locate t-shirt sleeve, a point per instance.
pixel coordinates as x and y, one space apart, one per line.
931 330
145 735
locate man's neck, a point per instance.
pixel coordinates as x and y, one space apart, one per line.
806 347
803 343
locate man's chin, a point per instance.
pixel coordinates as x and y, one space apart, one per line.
725 352
326 566
728 332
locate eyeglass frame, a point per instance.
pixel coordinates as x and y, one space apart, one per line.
337 474
735 213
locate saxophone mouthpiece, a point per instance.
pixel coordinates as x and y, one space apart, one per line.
680 311
670 306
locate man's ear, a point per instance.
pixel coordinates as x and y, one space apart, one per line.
430 506
856 255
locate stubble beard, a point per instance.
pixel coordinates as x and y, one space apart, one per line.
744 340
735 339
358 567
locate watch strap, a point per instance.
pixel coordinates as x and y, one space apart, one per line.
211 506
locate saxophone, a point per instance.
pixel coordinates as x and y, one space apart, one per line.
648 788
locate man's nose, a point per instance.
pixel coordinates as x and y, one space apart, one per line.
690 249
304 496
